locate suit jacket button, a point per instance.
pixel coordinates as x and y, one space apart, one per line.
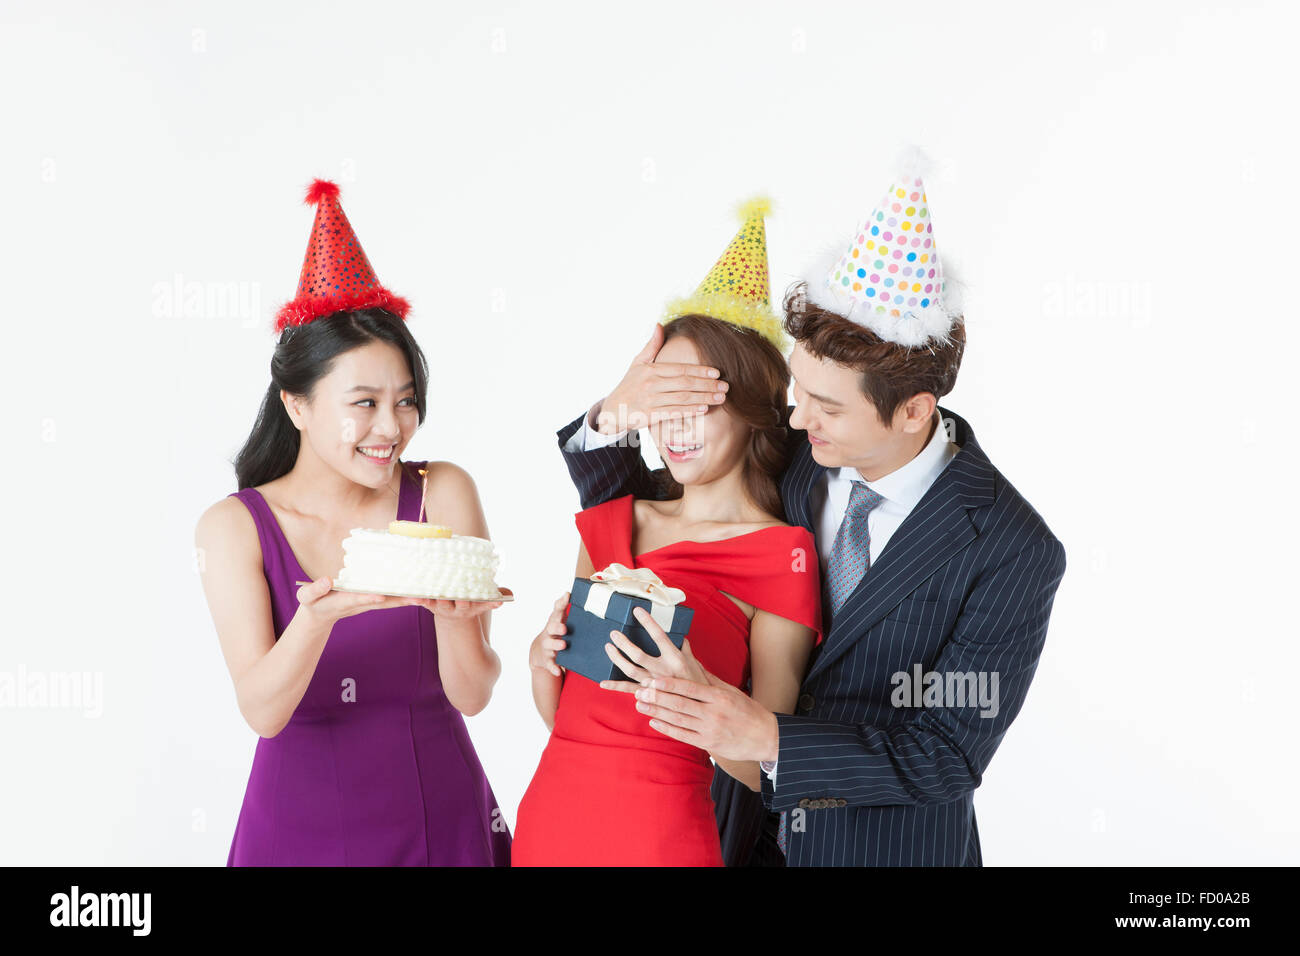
805 702
805 803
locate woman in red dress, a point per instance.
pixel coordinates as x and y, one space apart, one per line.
611 790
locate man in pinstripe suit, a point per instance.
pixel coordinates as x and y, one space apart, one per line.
944 578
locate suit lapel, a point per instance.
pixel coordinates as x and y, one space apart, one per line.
936 529
928 538
797 485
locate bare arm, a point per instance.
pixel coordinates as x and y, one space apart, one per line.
270 676
548 677
467 665
778 653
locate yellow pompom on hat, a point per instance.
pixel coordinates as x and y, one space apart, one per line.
737 288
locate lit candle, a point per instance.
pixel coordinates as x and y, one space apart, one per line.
424 487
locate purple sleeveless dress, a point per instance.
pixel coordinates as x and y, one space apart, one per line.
375 768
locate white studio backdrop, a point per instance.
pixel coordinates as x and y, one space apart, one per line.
1114 182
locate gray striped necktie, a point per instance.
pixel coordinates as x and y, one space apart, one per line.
851 554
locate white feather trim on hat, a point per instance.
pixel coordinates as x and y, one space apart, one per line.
915 162
913 327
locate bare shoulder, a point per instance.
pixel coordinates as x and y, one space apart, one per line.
227 528
646 509
227 518
450 476
649 514
452 499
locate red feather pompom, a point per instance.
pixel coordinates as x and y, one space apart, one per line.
321 189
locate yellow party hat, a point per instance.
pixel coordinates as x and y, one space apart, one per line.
737 289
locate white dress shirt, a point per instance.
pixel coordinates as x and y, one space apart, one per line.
900 490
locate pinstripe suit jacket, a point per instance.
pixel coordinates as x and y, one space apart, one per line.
964 586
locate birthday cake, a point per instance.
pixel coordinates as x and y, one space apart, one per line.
416 559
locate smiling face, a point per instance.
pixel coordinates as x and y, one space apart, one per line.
842 425
362 414
704 447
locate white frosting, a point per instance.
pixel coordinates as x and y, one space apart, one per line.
457 567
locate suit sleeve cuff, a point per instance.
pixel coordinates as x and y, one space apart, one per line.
767 779
773 798
578 436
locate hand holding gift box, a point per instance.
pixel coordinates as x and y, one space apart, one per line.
643 668
605 603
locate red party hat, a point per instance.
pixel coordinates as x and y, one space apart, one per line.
336 275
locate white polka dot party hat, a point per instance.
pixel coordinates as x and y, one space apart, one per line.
889 278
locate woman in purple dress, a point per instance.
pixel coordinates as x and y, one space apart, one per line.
363 756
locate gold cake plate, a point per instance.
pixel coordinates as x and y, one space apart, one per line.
504 598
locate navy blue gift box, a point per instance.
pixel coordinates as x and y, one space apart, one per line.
588 634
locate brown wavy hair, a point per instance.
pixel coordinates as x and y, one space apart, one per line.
758 382
891 373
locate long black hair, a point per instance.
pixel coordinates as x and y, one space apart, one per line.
303 356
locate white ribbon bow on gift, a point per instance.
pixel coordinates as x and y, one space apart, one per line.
640 583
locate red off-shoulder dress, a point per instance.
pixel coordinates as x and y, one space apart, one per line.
609 789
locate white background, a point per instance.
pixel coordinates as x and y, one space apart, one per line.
1115 183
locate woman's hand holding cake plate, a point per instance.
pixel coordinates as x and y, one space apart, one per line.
318 600
460 610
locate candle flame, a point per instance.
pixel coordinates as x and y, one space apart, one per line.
424 486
